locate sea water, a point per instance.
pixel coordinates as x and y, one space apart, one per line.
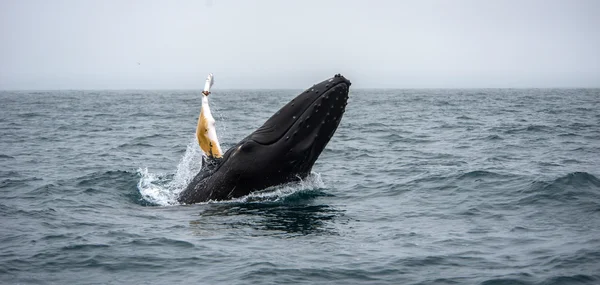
474 186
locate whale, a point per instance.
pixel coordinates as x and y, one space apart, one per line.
284 149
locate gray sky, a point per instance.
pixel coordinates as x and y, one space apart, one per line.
88 44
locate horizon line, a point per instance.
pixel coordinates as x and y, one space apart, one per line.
226 89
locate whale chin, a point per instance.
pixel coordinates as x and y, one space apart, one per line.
283 149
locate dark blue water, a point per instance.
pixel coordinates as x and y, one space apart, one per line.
416 187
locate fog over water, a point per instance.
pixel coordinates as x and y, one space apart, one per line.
288 44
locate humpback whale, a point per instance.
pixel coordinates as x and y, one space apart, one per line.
283 149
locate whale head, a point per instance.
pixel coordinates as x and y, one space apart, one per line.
285 147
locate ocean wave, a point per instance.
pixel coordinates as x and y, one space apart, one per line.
506 281
84 247
105 182
528 279
376 126
575 186
493 137
573 260
143 115
581 126
463 117
395 138
571 279
12 175
480 174
152 136
568 135
30 115
134 145
578 179
530 128
105 178
160 242
459 180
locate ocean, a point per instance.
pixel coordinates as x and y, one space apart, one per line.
417 186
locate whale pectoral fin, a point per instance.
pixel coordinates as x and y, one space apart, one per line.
206 132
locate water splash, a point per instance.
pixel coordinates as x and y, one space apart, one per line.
162 189
281 192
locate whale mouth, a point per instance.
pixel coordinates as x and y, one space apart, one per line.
328 97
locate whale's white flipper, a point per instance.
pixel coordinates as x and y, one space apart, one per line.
210 80
206 131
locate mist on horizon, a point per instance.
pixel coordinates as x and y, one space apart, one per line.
279 44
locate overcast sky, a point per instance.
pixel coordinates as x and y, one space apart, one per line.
87 44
